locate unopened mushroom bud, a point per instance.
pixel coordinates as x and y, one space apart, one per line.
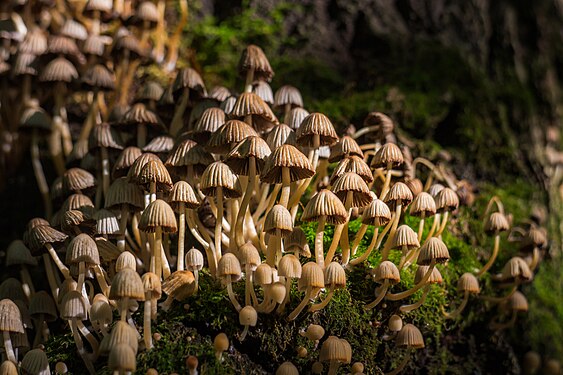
192 363
357 367
247 317
395 325
287 368
317 368
531 363
61 368
314 333
152 371
220 344
302 352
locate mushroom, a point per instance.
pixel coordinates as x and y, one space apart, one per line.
395 325
388 156
278 225
122 359
531 363
82 249
317 368
35 362
290 268
311 282
8 368
446 201
496 224
192 363
314 332
357 368
187 86
194 263
405 239
153 292
435 278
386 274
247 318
335 351
178 286
410 338
422 206
399 196
18 254
10 321
44 236
287 368
254 65
516 303
514 272
42 309
250 260
286 98
297 243
126 284
467 284
101 315
229 271
220 344
335 278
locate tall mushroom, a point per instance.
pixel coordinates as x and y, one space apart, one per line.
410 338
10 321
126 285
435 278
496 224
153 292
335 278
311 282
467 284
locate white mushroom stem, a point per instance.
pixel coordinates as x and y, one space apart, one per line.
535 259
421 283
273 254
281 307
344 240
90 338
359 236
218 223
181 236
435 225
459 309
244 332
39 174
319 242
444 222
232 296
239 234
105 170
80 346
416 305
421 227
101 278
81 275
492 258
51 277
263 202
203 238
122 227
8 347
157 252
380 293
396 218
64 270
165 266
324 302
375 244
147 336
123 308
286 187
248 285
402 364
27 283
301 306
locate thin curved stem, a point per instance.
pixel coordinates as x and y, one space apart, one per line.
443 224
64 269
417 304
301 305
324 302
421 283
389 242
493 257
454 314
181 236
40 174
359 236
500 299
239 233
402 364
382 292
232 296
219 223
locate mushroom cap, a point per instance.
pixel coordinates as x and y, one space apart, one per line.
248 316
43 304
25 64
399 193
83 248
351 182
468 283
250 104
415 185
229 268
410 337
35 118
219 93
376 213
496 223
104 135
296 117
335 349
345 147
325 204
18 254
221 342
35 41
127 283
316 125
297 240
405 236
287 368
278 221
189 153
335 276
101 313
152 285
98 77
182 192
147 12
423 204
106 222
160 145
386 270
95 45
107 250
219 175
42 235
435 276
77 179
59 45
434 248
314 332
312 276
8 368
179 285
122 357
122 333
518 302
210 121
353 164
264 274
277 291
264 91
150 91
395 323
288 94
194 260
250 147
79 202
435 189
136 168
289 266
253 58
10 317
281 134
248 254
74 306
516 269
138 114
447 200
35 362
286 156
126 159
158 214
188 78
12 289
59 70
389 153
121 192
228 135
155 172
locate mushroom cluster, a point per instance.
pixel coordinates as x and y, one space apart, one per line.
146 171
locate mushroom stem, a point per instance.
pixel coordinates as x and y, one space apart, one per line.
319 244
51 277
535 259
174 40
264 200
335 240
333 367
81 275
124 308
435 224
232 296
105 170
387 181
493 257
500 299
494 200
177 120
358 238
218 223
273 253
157 252
248 284
239 234
122 227
181 236
402 364
344 239
244 332
324 302
101 278
301 305
443 224
8 347
80 346
421 227
64 270
454 314
90 338
375 243
389 242
203 238
249 80
27 283
164 265
381 291
281 307
147 336
497 326
40 174
421 283
416 305
286 187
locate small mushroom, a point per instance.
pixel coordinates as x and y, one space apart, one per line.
311 282
287 368
192 362
467 284
220 344
35 362
435 278
335 351
178 286
122 359
10 321
314 332
335 278
229 271
247 318
153 292
386 274
496 224
126 285
410 338
194 263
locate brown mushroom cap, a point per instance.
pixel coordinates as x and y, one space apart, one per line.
219 175
121 334
346 146
335 276
179 285
434 248
395 323
410 337
286 156
104 135
44 234
122 357
399 193
354 164
296 117
121 192
209 122
229 265
188 78
386 270
18 254
77 179
312 276
73 306
155 172
297 240
106 222
496 223
152 285
251 146
415 185
158 214
250 104
160 145
516 269
253 58
59 70
194 260
316 124
288 94
280 134
325 203
228 135
518 302
42 304
278 221
264 91
182 192
136 168
468 283
447 200
351 182
126 160
83 248
405 236
189 153
10 317
377 213
389 153
127 283
289 266
435 276
248 316
423 204
35 362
